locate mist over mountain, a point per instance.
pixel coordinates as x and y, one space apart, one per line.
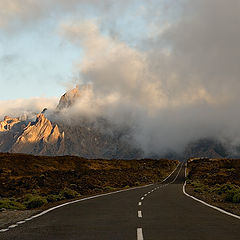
67 135
69 132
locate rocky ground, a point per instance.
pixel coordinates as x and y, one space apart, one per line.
32 183
216 181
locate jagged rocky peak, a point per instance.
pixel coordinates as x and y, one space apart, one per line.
69 98
40 130
8 123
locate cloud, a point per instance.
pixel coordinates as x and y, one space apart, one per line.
182 86
30 107
17 15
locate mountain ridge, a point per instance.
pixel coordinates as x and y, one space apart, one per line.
85 139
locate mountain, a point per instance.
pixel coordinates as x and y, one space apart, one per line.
62 137
69 98
37 137
206 147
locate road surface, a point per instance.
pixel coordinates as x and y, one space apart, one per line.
156 212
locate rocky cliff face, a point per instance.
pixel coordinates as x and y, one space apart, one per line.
8 123
43 137
39 137
69 98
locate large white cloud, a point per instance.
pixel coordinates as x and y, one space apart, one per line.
131 86
31 107
182 85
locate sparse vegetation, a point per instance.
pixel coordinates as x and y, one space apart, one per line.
41 180
68 193
216 181
12 204
35 201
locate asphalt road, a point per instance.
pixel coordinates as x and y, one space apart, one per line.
156 212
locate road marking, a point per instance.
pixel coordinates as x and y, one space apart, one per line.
20 222
76 201
140 214
12 226
142 198
87 198
139 234
139 204
207 204
176 175
145 194
170 174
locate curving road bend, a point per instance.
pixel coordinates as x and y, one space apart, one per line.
156 212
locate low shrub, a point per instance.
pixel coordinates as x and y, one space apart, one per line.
35 201
109 188
53 198
198 190
68 193
225 188
236 197
233 195
11 204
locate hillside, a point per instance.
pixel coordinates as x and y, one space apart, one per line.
25 178
216 181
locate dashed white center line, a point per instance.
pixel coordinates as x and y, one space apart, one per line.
145 194
140 214
139 234
139 204
142 198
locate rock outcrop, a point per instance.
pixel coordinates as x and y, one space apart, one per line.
8 123
38 137
69 98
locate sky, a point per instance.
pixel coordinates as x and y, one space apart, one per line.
36 60
168 68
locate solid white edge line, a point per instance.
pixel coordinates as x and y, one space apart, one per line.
75 201
170 174
206 204
140 214
20 222
84 199
176 175
139 234
165 180
13 226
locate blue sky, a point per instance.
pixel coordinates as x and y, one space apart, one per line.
35 60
